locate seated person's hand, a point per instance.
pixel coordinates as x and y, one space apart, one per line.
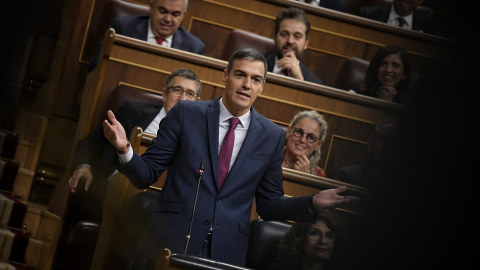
386 93
290 61
302 164
81 179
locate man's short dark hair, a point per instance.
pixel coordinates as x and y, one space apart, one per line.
187 74
247 53
292 13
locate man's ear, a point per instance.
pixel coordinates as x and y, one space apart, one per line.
306 43
225 74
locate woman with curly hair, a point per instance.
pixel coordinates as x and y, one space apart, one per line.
305 136
307 246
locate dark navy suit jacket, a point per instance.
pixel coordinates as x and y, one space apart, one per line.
97 151
380 13
137 27
188 135
307 74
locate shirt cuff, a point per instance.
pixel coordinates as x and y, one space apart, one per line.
81 165
125 158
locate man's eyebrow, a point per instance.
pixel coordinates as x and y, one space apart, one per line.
239 70
258 77
244 73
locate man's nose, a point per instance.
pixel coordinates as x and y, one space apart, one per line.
291 39
168 17
247 83
183 96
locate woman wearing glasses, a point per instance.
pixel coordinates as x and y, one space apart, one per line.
305 136
306 245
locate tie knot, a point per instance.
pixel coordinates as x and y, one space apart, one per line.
401 21
160 40
234 122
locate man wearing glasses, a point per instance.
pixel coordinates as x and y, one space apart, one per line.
92 162
239 153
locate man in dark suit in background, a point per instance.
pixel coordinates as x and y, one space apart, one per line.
401 13
191 134
292 30
163 27
92 159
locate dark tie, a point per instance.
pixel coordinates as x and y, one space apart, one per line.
287 72
401 21
160 40
226 152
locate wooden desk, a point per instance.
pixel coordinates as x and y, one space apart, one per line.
350 117
334 36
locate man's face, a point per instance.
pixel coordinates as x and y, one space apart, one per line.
243 85
291 36
170 98
406 7
166 16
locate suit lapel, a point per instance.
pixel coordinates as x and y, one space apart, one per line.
270 58
141 31
177 40
148 114
213 114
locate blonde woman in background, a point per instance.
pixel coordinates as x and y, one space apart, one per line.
305 135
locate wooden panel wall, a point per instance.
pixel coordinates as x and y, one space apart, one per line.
334 36
146 66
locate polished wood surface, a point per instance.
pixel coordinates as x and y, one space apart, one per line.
334 36
146 66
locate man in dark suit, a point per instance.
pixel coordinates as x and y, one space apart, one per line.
192 133
292 30
401 13
164 22
92 159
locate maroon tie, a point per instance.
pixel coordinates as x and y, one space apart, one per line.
160 40
226 152
287 72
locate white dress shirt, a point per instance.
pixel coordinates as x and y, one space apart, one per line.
151 38
392 19
240 131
